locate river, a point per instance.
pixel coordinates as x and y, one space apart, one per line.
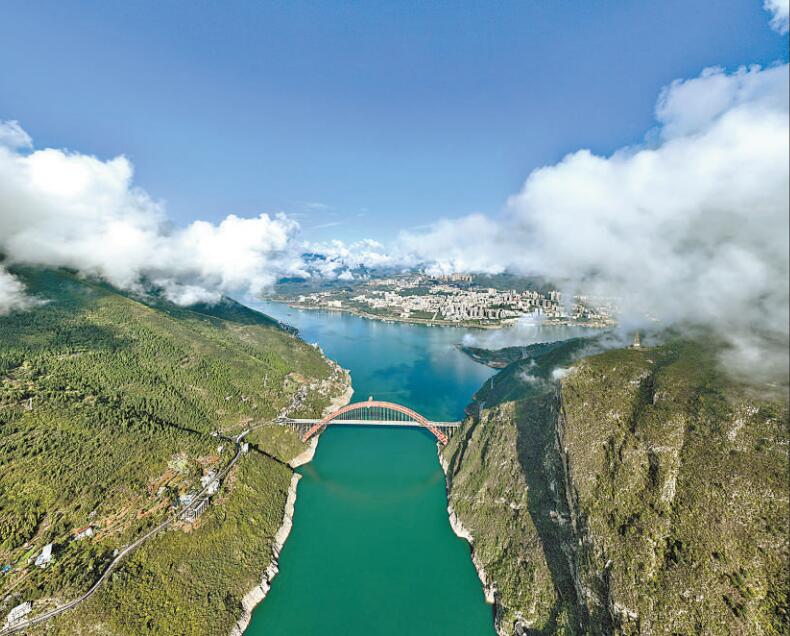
371 552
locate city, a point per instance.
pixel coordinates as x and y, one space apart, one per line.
455 299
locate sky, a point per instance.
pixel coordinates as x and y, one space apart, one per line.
638 151
358 120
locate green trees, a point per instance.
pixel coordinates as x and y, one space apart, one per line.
100 393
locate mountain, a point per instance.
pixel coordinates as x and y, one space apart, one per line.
501 358
628 492
112 407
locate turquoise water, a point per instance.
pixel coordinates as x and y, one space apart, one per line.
371 552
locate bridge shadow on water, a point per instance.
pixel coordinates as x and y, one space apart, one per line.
346 490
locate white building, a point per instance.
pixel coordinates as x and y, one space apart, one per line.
83 533
18 613
44 559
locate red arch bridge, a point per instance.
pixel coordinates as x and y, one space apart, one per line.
371 413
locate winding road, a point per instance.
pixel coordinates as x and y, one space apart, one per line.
23 625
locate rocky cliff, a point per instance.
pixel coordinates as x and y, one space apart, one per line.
631 492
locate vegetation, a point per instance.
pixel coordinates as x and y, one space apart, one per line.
191 583
645 492
109 407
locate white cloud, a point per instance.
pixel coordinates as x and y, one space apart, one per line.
13 136
527 376
780 14
689 107
68 209
559 373
458 245
12 294
692 226
336 257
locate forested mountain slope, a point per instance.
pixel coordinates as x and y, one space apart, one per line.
631 492
108 405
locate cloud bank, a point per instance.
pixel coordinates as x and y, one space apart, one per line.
690 226
60 208
336 259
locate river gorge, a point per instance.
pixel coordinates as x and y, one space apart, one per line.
372 550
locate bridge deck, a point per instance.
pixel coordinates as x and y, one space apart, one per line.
371 422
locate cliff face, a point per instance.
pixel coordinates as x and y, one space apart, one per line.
642 492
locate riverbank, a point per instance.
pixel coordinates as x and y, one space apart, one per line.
429 322
259 592
306 456
342 398
359 313
462 532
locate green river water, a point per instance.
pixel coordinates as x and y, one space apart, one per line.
371 552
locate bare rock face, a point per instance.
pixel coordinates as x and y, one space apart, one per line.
646 494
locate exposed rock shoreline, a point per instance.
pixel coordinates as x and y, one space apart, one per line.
306 456
489 588
259 592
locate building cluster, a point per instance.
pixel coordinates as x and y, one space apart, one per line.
194 504
454 278
425 298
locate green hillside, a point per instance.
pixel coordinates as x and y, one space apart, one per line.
634 492
108 403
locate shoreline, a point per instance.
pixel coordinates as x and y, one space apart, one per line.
345 397
306 456
427 322
258 594
490 592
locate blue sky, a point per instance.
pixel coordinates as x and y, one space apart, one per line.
358 119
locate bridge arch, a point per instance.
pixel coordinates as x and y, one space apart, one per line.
365 407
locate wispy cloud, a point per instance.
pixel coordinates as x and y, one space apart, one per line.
317 206
12 135
780 14
322 226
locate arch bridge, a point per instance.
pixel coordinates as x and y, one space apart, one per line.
376 413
